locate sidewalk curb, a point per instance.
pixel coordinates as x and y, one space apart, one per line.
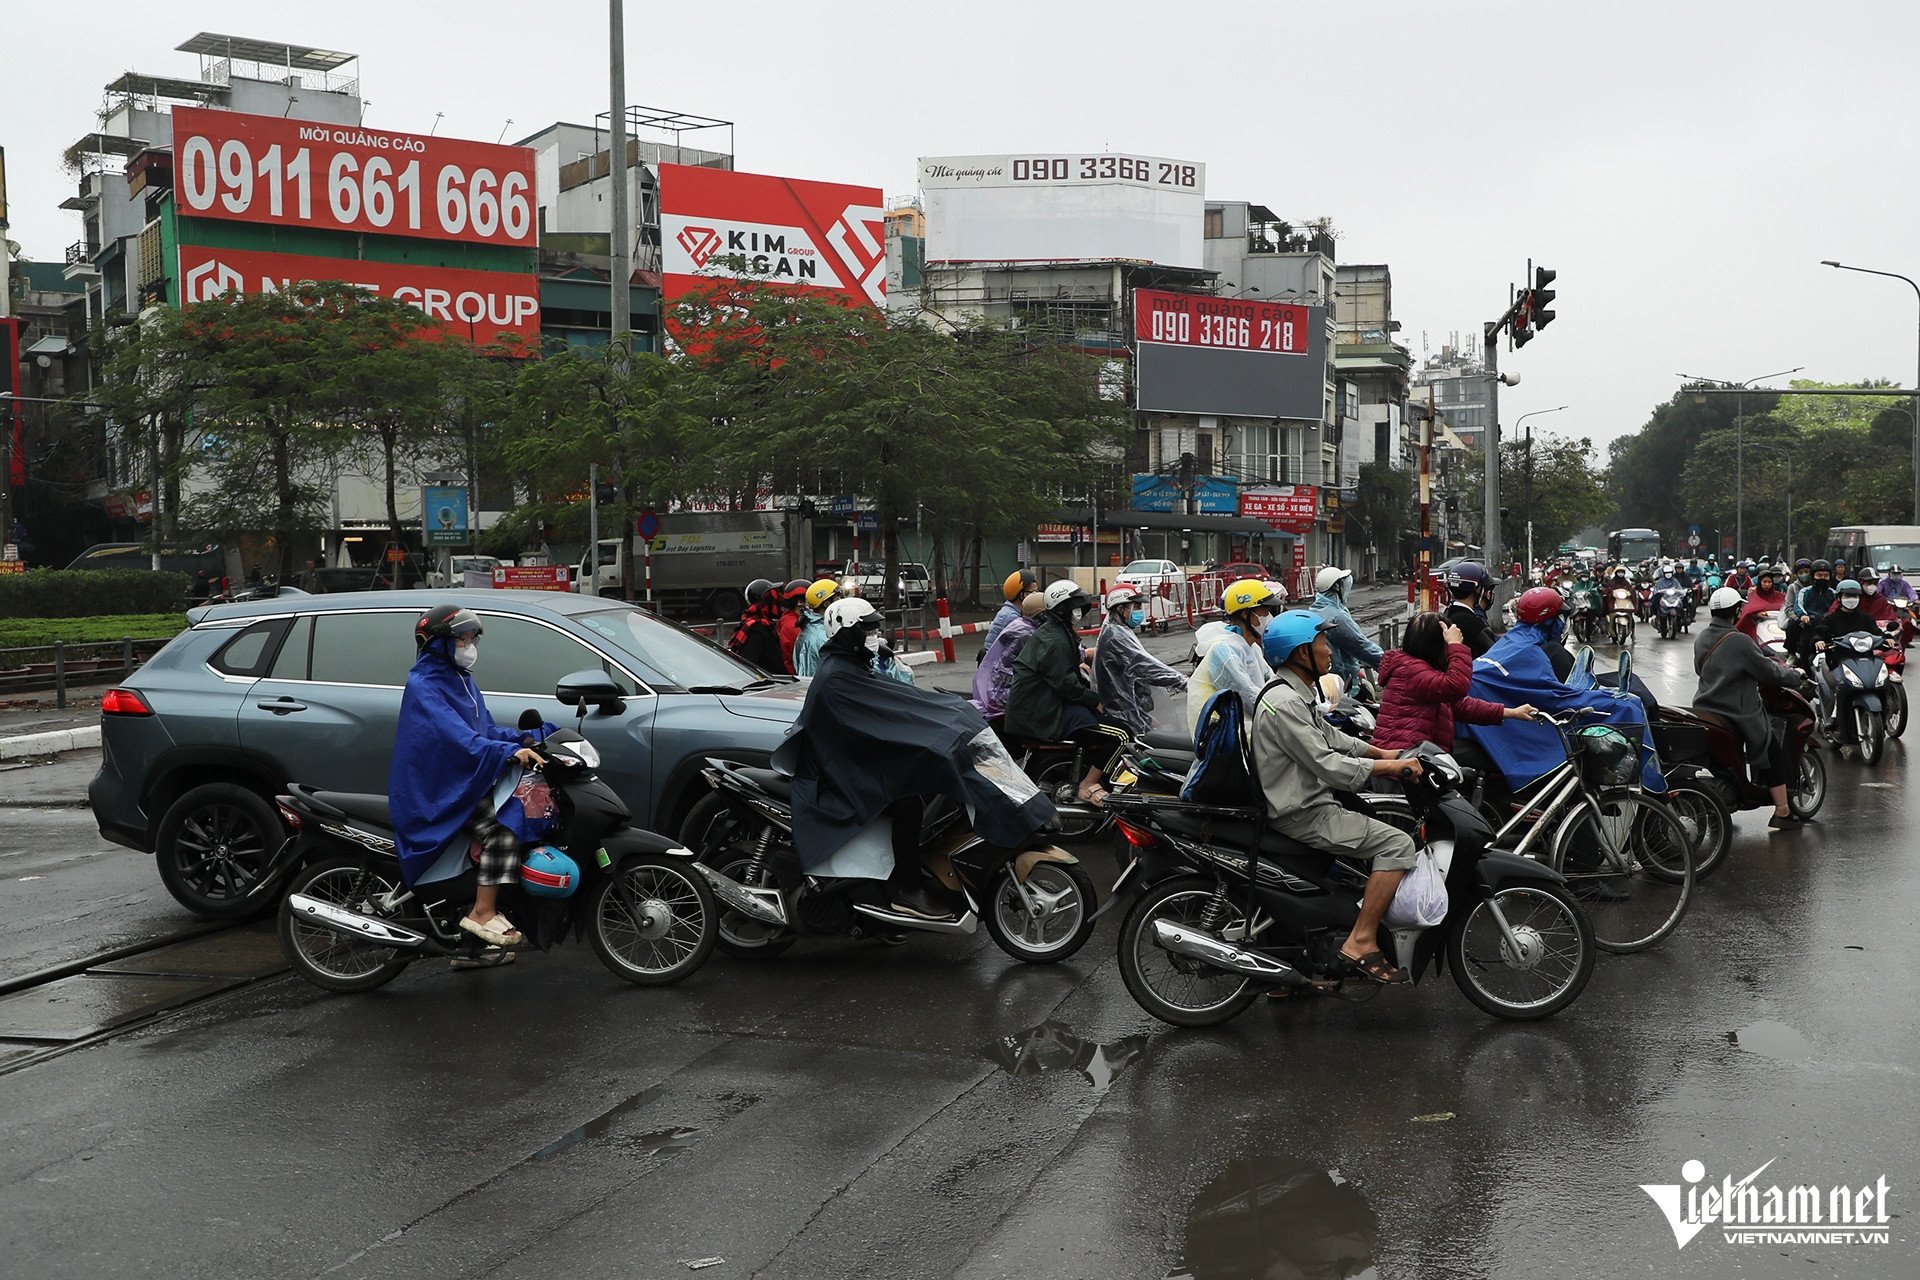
47 744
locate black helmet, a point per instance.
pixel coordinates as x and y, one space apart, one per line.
1803 563
797 590
1469 576
757 590
444 620
1822 566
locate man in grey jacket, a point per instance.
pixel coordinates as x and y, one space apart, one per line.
1732 668
1123 671
1301 761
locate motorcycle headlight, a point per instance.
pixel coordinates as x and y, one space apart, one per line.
1619 595
1880 677
1852 679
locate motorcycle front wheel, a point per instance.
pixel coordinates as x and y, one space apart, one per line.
652 919
332 960
1809 789
1051 920
1548 970
1871 730
1895 699
1175 989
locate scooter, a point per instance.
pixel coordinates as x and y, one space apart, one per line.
351 923
1852 673
1620 615
1643 601
1255 911
1040 902
1586 618
1674 613
1899 631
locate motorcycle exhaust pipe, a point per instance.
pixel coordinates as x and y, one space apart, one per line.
763 905
1195 945
353 924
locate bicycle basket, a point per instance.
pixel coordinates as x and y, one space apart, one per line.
1607 756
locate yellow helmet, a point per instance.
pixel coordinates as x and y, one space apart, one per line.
1019 582
820 592
1248 593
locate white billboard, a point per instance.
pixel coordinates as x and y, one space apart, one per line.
1064 208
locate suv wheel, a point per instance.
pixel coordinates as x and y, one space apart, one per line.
213 845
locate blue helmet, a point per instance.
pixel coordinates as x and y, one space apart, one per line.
1288 632
1847 587
549 873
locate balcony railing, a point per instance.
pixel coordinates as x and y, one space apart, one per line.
80 251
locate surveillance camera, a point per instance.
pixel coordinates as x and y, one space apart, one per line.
1510 379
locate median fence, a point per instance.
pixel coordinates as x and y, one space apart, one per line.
61 666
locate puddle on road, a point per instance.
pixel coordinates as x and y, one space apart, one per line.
1273 1217
1051 1046
1772 1040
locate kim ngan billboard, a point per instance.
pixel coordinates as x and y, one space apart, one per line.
824 237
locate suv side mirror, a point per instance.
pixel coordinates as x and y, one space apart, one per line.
588 688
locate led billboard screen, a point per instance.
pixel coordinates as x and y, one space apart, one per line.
1234 357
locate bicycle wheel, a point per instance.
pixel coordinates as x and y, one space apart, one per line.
1708 818
1631 864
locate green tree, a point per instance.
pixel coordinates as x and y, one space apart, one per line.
1381 510
1643 476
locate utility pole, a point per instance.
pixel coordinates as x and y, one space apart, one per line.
617 168
1424 559
1490 538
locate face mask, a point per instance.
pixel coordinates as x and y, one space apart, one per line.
1870 588
1849 602
465 655
874 642
1136 618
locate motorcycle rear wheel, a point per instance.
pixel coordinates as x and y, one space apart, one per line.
1557 960
329 960
1186 993
1067 898
724 840
662 928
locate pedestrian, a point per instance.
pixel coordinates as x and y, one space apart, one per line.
309 578
201 586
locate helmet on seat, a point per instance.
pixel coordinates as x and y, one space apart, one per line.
1539 604
853 612
445 621
1288 632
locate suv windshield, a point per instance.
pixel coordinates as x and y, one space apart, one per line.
673 656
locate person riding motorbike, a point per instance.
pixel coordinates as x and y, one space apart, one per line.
1300 761
813 627
757 638
1732 667
1124 673
1766 589
447 755
1741 579
862 747
793 598
1233 661
1802 573
1806 607
1873 604
1020 584
1894 585
1846 617
1051 700
993 682
1471 587
1351 648
1667 580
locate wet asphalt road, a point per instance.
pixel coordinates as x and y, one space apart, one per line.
938 1110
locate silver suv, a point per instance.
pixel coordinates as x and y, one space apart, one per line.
307 689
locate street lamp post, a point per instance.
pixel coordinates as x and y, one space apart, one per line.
1739 448
1841 266
1526 501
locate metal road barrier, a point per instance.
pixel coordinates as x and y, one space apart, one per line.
61 665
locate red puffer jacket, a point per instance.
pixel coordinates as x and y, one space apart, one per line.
1419 704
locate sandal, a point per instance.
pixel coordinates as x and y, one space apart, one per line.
1375 967
1094 795
496 931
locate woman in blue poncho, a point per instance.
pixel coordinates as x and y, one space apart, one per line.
447 754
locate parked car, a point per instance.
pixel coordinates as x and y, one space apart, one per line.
1151 574
199 741
1242 569
916 583
216 561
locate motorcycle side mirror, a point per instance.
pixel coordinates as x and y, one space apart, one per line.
585 689
530 720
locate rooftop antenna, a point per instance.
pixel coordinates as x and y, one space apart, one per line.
503 129
436 123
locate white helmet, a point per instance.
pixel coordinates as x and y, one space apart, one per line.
1330 578
1722 598
1121 596
854 612
1058 593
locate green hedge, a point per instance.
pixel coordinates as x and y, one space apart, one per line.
86 593
21 633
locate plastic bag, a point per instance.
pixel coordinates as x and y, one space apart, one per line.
1421 900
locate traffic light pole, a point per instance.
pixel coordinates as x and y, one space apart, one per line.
1490 539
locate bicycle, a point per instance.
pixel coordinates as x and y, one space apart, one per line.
1628 858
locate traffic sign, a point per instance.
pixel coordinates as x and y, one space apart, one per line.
647 526
1693 539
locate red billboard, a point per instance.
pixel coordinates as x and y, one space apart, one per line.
1287 507
1227 324
477 305
302 173
826 236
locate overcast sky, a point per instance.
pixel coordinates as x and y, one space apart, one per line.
1684 165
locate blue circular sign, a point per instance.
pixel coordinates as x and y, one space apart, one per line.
647 526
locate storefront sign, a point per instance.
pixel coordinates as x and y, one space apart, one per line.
1287 507
530 577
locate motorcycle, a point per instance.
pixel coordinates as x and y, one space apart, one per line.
1675 613
1586 618
1899 631
1703 750
1040 902
1854 668
351 923
1620 616
1255 910
1643 601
